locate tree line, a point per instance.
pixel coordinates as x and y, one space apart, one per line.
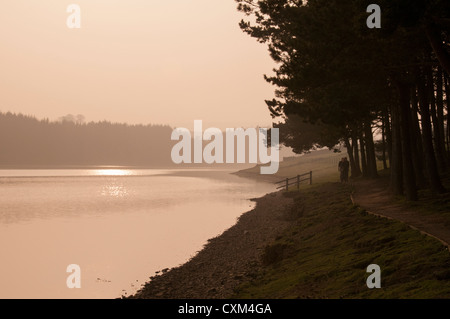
27 141
339 81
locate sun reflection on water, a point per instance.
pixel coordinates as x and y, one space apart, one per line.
114 190
112 172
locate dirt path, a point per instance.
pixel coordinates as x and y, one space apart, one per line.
374 196
227 260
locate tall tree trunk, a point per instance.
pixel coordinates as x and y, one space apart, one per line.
362 148
440 156
370 150
396 163
388 135
408 169
356 153
430 159
440 116
416 141
447 98
383 142
349 148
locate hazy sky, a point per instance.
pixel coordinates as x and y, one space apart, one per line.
135 61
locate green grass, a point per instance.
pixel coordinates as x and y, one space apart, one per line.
326 251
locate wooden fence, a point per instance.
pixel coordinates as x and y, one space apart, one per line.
295 181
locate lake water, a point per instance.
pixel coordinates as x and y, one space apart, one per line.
119 225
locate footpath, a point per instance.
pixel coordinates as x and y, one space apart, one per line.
374 196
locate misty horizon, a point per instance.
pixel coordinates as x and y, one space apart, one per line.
73 141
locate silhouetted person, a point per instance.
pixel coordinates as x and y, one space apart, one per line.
343 168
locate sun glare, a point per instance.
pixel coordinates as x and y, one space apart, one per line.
112 172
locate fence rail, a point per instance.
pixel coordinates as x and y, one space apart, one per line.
295 181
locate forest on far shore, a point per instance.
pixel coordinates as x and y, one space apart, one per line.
27 141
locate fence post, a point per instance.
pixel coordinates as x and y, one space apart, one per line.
310 177
287 184
298 182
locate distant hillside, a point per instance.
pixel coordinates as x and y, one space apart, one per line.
27 141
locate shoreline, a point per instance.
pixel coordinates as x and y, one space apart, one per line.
226 260
113 166
256 176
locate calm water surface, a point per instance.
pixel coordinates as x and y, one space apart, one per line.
118 225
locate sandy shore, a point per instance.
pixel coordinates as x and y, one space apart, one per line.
227 260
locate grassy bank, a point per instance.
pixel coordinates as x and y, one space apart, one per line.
431 204
323 164
326 251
